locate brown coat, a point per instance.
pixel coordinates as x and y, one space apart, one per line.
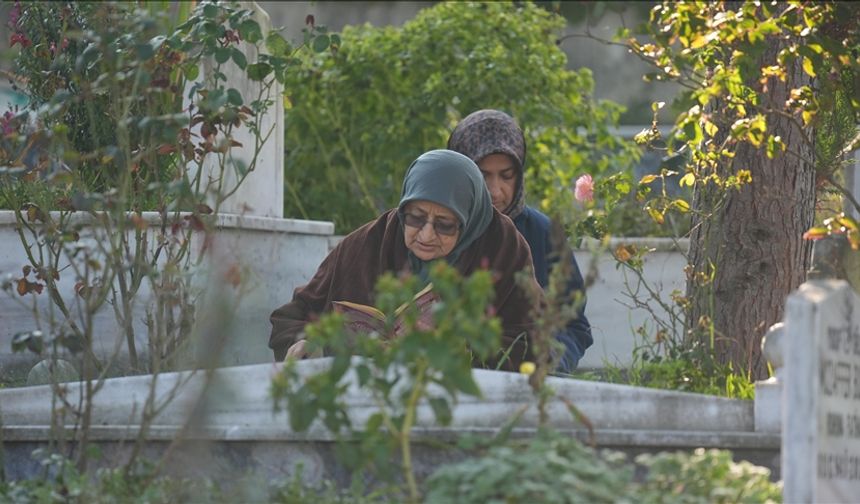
350 271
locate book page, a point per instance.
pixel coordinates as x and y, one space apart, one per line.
348 306
420 299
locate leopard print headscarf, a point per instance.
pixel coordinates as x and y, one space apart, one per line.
488 132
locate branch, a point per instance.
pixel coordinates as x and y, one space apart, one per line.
845 192
689 83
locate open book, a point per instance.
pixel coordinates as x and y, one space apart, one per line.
364 319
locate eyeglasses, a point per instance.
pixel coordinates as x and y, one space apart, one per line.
441 227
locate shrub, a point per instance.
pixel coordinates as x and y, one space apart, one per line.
362 113
550 468
553 468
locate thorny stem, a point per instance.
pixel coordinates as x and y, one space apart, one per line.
406 431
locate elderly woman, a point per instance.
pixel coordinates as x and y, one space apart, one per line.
445 213
494 141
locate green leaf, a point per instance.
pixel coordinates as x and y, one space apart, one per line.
210 11
775 145
234 97
276 44
216 99
144 51
321 43
692 132
258 71
757 129
250 31
303 410
374 422
363 373
769 28
222 54
239 58
441 410
191 71
465 382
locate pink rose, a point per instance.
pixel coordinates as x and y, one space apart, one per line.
584 190
6 124
19 38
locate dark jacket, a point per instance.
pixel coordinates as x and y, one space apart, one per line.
535 227
350 271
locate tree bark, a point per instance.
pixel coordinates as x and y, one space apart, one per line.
753 240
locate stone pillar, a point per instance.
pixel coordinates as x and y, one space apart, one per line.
262 191
852 183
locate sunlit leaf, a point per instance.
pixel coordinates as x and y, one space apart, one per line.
711 129
656 215
624 253
816 233
847 222
687 180
808 67
681 205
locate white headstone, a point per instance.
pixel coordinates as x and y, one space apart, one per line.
821 394
262 191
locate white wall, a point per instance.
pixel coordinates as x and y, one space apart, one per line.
274 256
611 311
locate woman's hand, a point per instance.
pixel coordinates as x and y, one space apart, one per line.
297 350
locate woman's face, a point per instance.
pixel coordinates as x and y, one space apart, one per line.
431 231
500 175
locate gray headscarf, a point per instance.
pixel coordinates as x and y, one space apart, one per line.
487 132
454 181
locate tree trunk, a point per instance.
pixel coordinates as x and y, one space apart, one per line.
754 239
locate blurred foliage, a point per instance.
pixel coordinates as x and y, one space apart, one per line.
550 468
555 468
360 114
120 120
143 483
57 59
432 364
686 368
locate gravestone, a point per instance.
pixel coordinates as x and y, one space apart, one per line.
821 394
261 193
